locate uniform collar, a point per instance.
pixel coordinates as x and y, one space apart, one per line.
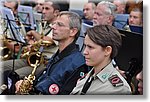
106 72
59 56
46 25
67 51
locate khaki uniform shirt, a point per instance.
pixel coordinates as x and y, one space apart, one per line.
105 82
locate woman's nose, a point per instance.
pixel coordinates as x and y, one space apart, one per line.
139 76
85 51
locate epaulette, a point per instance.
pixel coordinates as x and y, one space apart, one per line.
115 80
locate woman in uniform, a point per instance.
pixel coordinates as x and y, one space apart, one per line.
101 46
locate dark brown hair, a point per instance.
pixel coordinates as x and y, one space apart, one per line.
106 35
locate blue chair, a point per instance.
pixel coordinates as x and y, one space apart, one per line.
87 22
136 29
120 21
80 40
79 12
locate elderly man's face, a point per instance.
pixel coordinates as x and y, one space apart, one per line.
100 17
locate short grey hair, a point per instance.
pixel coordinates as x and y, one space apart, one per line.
123 2
111 7
74 20
93 5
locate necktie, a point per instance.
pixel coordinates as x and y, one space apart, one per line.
87 85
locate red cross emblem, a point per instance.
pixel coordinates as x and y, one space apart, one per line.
54 89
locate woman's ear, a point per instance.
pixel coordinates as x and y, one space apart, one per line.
108 51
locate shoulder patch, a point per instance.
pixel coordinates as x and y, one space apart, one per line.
115 80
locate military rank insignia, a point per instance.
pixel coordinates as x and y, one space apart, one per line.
115 81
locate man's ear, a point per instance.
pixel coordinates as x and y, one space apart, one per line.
108 50
110 19
73 31
56 13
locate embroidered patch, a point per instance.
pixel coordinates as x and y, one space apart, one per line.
82 77
81 74
115 81
54 89
104 76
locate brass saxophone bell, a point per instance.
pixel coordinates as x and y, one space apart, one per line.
34 57
5 53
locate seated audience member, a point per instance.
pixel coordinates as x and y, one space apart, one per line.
139 78
60 77
39 5
130 4
135 19
101 46
104 13
121 6
88 12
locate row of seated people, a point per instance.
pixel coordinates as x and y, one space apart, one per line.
96 22
132 22
121 21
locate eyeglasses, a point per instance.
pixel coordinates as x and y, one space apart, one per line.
60 24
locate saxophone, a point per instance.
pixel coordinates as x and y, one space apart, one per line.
34 59
30 55
33 53
5 52
27 83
